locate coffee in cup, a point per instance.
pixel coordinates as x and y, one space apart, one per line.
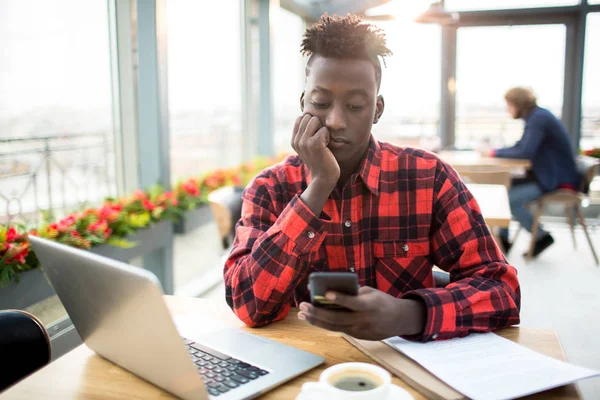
350 381
355 380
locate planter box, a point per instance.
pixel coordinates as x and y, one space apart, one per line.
147 240
193 219
34 287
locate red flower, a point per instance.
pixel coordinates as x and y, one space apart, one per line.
98 227
212 182
237 181
21 252
140 195
11 234
75 234
191 188
148 205
109 212
66 223
24 251
174 202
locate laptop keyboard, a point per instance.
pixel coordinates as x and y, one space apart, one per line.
220 372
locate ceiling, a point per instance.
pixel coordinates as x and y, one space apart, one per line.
313 9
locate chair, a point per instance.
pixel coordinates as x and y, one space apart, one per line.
226 206
24 346
488 175
571 201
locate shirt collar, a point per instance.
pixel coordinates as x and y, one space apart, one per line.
370 167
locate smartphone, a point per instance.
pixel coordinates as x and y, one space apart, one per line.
320 283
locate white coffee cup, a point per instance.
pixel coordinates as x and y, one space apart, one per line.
350 381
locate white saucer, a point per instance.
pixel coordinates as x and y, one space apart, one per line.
396 393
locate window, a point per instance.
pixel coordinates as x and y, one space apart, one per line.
491 60
204 75
56 127
411 78
288 75
470 5
204 86
590 125
411 85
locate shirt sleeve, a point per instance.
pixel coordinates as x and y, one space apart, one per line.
484 293
270 254
530 142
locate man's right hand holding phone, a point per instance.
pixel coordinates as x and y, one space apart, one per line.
374 315
310 140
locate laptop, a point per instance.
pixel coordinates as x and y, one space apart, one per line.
119 312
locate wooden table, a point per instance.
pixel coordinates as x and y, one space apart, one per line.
494 203
81 374
458 159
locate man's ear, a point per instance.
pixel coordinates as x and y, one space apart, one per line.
379 109
302 101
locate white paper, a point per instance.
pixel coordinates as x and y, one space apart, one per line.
487 366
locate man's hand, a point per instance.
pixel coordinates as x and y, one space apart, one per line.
375 315
310 140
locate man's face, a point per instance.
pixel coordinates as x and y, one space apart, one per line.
342 93
512 110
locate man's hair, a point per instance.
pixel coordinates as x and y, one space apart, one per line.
522 98
345 37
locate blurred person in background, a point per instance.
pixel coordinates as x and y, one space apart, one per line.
546 144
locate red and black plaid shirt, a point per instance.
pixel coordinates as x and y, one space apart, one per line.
401 213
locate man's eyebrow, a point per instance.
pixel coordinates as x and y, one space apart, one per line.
360 92
321 89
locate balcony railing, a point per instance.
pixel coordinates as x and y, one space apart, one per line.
56 173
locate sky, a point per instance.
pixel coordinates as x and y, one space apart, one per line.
56 54
53 54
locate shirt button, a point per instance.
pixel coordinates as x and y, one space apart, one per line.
311 235
351 267
405 248
434 336
348 223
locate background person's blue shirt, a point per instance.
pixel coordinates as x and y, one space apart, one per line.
546 144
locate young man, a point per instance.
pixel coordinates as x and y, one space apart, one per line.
545 142
349 203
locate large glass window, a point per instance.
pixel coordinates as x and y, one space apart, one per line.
204 62
288 75
590 126
411 78
56 127
204 85
469 5
491 60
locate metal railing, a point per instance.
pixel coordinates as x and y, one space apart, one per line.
55 173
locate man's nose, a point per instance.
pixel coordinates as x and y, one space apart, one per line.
336 120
